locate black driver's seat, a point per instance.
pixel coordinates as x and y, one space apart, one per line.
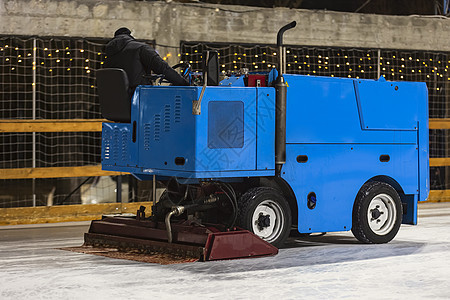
113 92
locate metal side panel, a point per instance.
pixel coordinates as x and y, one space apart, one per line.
174 142
389 105
265 129
423 141
335 173
116 139
326 110
166 128
225 131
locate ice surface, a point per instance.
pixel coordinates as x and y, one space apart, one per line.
415 265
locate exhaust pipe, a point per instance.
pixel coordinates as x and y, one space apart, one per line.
281 96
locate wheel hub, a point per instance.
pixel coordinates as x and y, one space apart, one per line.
268 220
376 213
263 221
382 214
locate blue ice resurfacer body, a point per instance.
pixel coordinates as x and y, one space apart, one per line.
340 134
249 160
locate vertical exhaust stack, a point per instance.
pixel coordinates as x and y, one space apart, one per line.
281 93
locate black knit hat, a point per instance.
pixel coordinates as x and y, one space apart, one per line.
122 30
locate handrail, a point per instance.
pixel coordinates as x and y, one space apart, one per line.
56 125
55 172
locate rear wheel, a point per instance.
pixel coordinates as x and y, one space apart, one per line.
266 213
377 213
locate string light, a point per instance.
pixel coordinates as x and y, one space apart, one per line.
312 63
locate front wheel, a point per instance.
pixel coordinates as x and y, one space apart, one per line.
265 212
377 213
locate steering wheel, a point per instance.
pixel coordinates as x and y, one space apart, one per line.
155 78
187 69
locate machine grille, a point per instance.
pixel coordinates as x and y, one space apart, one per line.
147 134
124 144
116 144
167 118
177 110
157 129
107 145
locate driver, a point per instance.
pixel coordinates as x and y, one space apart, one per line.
138 59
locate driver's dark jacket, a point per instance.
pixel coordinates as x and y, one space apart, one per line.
138 59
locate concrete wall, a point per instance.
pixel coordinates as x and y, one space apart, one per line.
168 23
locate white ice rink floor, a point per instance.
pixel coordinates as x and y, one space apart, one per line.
415 265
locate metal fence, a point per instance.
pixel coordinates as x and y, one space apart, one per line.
54 78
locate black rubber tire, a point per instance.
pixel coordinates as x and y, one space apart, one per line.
361 228
249 202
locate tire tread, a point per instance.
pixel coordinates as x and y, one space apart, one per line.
358 229
247 200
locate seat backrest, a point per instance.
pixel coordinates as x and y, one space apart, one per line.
112 89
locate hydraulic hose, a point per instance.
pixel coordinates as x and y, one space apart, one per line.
178 210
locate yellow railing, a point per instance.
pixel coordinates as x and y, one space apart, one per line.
95 125
66 213
60 213
71 125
